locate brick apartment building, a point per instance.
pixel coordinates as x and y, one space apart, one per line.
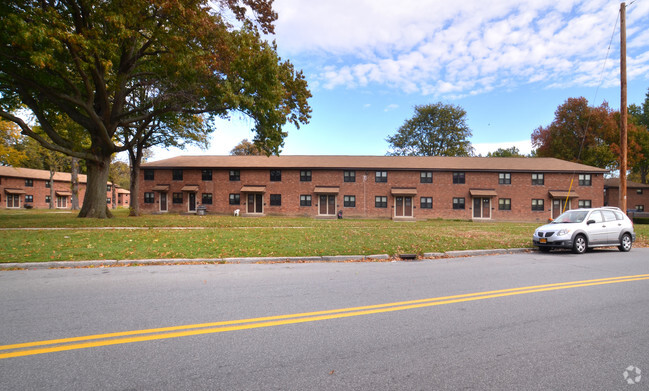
519 189
637 194
26 187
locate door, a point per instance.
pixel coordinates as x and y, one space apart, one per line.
251 203
558 205
259 206
482 208
163 202
255 203
597 229
613 226
192 202
486 208
403 207
327 204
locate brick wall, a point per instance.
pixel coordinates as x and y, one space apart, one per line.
633 198
365 189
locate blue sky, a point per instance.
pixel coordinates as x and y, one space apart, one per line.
508 63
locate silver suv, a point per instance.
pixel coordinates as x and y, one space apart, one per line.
581 229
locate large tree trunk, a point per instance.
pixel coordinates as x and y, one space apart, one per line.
134 162
74 174
94 202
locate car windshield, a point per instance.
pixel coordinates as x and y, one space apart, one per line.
572 216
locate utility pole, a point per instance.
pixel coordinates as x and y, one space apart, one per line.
623 108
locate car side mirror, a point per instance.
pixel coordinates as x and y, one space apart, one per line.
589 222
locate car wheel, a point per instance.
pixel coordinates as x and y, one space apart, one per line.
580 244
625 243
544 249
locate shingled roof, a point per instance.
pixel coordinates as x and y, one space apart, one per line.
30 173
615 182
433 163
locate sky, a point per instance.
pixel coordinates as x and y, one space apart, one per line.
508 63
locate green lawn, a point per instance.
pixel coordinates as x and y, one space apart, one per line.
226 236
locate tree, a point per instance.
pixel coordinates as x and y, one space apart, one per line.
506 152
246 148
11 154
639 116
580 133
110 65
170 130
435 130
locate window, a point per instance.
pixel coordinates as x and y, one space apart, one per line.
149 197
48 185
177 198
458 202
305 200
305 176
349 201
639 191
381 176
235 175
148 175
349 176
48 199
29 183
537 204
207 199
504 178
109 188
426 177
275 176
108 200
584 203
177 174
538 179
275 200
206 174
584 180
639 208
505 204
426 202
458 178
235 199
380 202
29 198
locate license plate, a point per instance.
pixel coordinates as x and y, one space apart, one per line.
543 240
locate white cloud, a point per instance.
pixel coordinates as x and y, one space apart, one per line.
446 48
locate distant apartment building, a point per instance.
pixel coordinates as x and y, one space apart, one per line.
395 187
30 188
637 194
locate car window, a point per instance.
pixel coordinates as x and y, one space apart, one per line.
608 215
619 215
596 216
571 217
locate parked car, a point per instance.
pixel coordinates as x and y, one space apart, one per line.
581 229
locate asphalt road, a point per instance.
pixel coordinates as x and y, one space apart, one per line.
577 336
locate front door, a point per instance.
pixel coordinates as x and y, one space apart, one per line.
482 208
192 202
163 202
255 203
558 206
403 207
327 204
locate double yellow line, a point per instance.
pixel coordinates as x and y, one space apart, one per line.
90 341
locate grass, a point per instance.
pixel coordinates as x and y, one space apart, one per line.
226 236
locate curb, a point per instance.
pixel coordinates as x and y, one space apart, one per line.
253 260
